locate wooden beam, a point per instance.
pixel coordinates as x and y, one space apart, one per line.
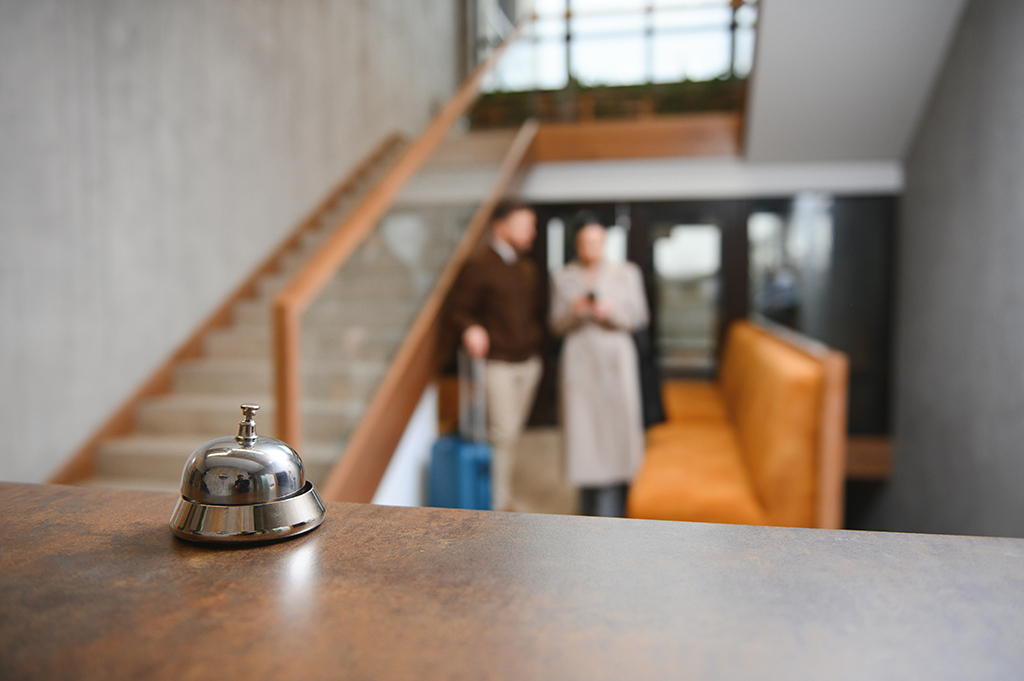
359 471
82 463
713 134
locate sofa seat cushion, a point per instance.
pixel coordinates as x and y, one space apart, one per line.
693 400
694 471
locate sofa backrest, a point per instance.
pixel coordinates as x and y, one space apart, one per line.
773 392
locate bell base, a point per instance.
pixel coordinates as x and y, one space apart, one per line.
248 523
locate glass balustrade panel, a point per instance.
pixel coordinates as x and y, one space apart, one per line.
353 329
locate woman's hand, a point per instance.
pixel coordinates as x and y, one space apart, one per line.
583 306
601 310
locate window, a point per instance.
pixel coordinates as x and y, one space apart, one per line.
627 42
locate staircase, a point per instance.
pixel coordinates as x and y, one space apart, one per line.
236 367
350 332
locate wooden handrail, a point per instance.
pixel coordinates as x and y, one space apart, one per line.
356 475
293 299
82 464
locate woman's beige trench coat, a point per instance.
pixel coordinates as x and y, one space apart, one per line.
600 384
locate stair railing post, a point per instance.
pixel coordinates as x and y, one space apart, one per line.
287 371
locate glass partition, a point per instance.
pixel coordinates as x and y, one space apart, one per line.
687 261
353 329
790 260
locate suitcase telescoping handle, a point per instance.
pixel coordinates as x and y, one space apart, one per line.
472 399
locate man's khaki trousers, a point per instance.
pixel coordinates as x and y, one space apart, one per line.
511 387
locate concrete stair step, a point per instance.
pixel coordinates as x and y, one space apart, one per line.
210 416
342 381
314 238
342 343
374 313
330 314
343 206
149 457
161 458
320 380
140 483
373 255
290 261
373 285
353 268
342 209
347 202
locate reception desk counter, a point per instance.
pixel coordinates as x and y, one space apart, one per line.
94 586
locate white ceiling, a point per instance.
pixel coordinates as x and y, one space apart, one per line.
844 80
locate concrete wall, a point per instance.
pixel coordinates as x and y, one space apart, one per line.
960 323
151 153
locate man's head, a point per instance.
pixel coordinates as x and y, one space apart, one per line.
590 243
515 223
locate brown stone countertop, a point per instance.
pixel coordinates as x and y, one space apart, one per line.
93 585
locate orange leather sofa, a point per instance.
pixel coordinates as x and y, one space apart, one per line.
763 445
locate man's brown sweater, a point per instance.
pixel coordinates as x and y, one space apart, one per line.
502 298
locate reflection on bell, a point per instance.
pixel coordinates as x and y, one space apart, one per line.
245 489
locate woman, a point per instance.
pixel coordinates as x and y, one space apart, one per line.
597 305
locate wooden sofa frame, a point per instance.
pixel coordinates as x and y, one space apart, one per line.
832 437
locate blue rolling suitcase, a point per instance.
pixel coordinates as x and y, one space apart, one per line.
460 474
460 465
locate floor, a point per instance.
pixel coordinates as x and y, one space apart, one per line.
537 482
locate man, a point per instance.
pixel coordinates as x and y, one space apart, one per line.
497 312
